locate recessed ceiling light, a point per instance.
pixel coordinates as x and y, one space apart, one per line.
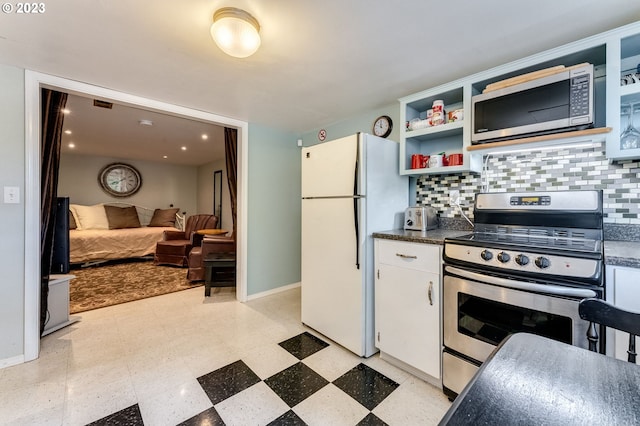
205 136
71 145
164 156
184 148
68 132
65 111
145 122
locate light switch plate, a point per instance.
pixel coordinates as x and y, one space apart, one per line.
11 195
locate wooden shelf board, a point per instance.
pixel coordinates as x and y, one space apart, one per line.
512 142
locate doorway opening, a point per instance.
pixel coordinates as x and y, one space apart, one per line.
33 83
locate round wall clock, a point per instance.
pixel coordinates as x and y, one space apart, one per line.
120 180
382 126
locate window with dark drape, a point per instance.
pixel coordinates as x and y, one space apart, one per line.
52 118
231 157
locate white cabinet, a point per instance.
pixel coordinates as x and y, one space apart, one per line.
623 290
407 306
625 60
58 303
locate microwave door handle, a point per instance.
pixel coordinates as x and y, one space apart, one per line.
523 285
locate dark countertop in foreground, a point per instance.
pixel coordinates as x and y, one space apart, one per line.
533 380
616 253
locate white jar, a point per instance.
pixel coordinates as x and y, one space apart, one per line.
438 116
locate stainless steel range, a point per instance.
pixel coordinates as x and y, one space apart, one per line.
530 260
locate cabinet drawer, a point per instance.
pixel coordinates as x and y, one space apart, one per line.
422 257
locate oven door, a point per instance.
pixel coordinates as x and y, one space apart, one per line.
481 310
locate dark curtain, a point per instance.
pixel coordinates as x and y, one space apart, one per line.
52 118
231 156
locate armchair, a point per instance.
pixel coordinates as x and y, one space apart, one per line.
175 247
209 244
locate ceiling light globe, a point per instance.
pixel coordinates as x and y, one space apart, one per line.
235 32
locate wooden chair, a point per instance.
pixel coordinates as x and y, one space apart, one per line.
597 311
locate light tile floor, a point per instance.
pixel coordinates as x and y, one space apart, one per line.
146 357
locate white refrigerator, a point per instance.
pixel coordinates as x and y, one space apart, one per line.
350 188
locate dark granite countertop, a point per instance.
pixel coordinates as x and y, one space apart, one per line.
622 253
616 253
435 236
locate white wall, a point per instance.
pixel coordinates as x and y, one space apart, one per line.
162 184
12 173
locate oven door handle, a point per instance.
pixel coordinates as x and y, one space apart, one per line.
523 285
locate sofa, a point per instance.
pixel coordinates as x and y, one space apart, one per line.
209 244
175 246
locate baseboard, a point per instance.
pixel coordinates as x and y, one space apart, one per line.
273 291
8 362
410 369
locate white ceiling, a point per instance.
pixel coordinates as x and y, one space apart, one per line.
320 61
117 132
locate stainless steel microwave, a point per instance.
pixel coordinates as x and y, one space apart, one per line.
554 103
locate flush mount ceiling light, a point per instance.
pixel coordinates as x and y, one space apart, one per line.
235 32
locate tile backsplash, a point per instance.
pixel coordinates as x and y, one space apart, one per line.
543 170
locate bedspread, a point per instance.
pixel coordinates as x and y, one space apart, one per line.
92 244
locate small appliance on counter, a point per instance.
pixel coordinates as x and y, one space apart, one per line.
420 218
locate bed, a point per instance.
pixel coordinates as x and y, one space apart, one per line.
113 231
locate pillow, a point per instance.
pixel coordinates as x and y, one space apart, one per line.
164 217
72 221
122 217
90 217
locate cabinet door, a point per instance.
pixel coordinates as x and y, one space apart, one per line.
626 295
408 316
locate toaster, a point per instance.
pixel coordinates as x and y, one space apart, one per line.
420 218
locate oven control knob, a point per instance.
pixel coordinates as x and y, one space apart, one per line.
542 262
522 260
486 255
503 257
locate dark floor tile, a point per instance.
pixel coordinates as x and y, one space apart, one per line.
130 416
208 417
371 420
366 385
303 345
294 384
288 419
227 381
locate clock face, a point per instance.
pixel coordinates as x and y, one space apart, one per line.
120 180
382 126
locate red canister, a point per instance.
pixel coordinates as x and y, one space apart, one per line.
416 161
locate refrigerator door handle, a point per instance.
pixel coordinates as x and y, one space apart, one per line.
356 214
356 207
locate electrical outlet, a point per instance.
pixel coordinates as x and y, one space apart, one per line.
12 195
454 197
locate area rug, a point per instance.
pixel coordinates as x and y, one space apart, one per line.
119 282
